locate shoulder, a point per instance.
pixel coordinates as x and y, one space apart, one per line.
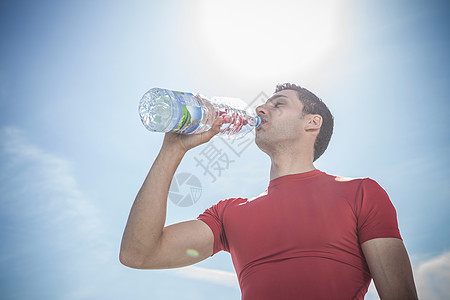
223 204
233 201
343 180
354 185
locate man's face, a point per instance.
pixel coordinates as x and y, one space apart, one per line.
281 119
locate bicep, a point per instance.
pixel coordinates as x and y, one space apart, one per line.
390 267
182 244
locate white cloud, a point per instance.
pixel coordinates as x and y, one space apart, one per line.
211 275
433 278
372 292
48 183
47 214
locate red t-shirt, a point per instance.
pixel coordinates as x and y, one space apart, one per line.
301 238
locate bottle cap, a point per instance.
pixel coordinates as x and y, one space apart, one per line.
258 121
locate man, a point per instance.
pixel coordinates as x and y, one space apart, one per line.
310 235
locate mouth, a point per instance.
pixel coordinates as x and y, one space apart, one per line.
263 121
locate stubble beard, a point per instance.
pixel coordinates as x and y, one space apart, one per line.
265 141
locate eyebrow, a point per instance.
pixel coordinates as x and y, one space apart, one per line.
275 97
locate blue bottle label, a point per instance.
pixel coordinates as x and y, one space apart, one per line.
192 112
180 97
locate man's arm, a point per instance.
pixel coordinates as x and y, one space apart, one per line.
390 268
146 243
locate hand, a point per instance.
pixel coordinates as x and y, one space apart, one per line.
186 142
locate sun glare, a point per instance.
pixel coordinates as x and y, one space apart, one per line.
252 44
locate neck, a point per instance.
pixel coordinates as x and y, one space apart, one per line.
290 163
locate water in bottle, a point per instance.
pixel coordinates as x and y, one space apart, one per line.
164 110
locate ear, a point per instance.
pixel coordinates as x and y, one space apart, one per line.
314 123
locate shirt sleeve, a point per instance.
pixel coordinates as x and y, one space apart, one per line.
377 216
213 217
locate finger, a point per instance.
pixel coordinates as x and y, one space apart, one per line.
215 128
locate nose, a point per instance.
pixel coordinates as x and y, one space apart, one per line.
261 110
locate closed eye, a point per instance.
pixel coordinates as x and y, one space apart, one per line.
278 104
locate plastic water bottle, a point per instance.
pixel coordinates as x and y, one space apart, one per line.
164 110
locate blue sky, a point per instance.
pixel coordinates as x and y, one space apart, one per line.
73 152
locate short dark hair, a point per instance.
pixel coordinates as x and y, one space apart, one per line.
313 105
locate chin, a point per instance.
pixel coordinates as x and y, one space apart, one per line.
263 142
